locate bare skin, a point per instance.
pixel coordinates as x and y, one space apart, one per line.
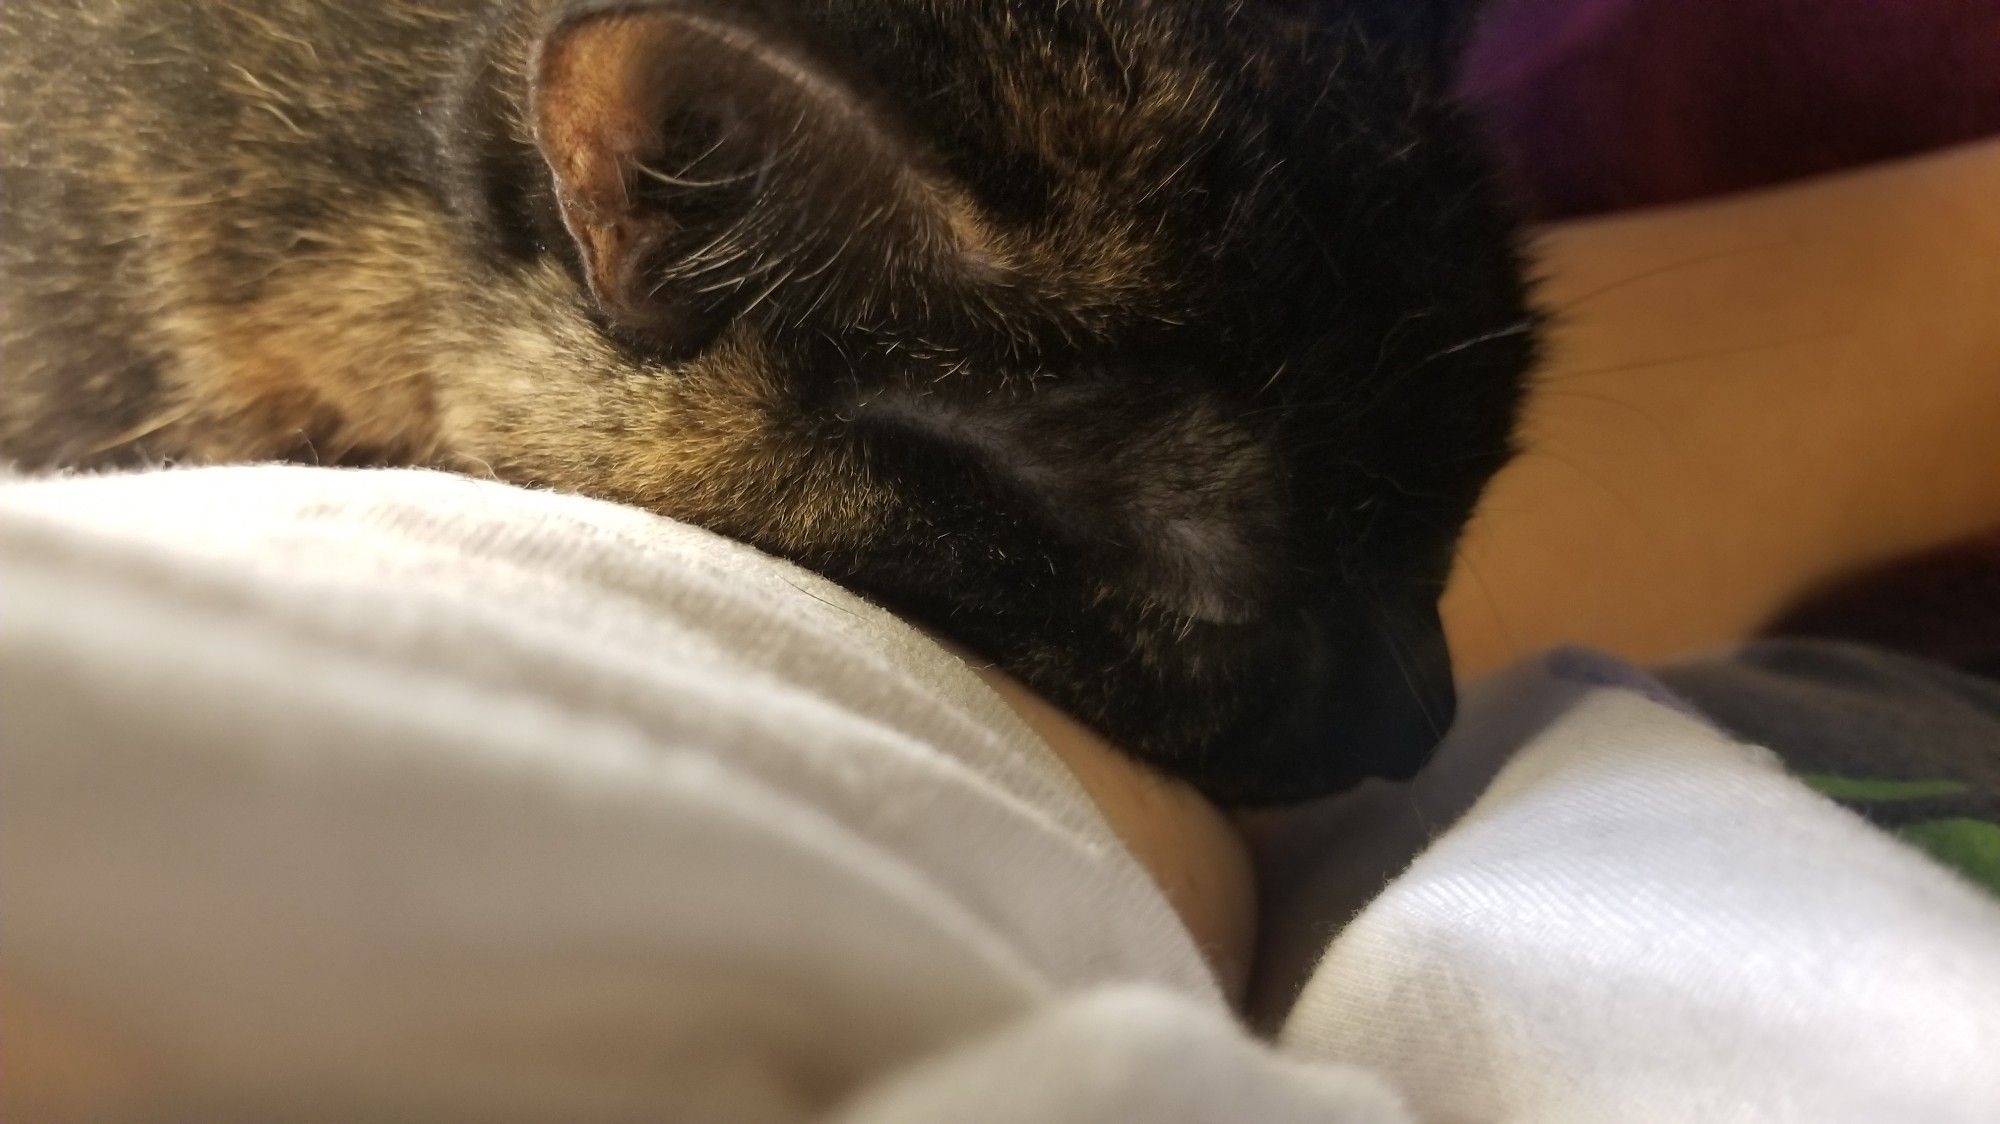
1745 399
1186 843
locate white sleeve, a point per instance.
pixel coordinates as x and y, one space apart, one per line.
393 795
1124 1054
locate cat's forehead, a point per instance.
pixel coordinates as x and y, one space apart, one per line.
1083 87
1026 174
1108 140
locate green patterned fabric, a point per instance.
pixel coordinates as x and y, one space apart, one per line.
1971 847
1855 790
1912 746
1966 844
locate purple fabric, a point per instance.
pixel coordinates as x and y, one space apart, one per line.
1608 104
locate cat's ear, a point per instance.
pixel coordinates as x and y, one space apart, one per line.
702 164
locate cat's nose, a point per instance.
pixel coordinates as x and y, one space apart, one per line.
1364 690
1394 699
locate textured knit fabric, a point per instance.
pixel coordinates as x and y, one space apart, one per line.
340 795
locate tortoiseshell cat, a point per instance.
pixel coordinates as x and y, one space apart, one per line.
1157 349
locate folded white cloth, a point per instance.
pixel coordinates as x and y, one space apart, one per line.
393 795
1641 920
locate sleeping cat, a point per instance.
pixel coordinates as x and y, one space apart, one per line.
1156 349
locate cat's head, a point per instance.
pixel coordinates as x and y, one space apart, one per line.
1157 350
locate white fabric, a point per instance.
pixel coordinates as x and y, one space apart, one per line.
338 795
404 796
1641 921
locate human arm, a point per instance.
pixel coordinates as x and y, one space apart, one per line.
1743 400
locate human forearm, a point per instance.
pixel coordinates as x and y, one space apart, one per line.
1744 399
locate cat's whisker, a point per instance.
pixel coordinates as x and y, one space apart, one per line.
683 181
1518 328
1524 327
1465 561
1653 423
1273 380
1562 376
1695 262
140 432
773 287
1399 654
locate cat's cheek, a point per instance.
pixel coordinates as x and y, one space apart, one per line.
719 442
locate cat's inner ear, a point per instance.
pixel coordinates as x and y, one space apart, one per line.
704 167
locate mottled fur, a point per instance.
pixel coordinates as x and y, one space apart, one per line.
1156 349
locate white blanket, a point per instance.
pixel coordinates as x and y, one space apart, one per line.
392 795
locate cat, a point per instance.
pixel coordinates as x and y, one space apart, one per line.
1156 350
